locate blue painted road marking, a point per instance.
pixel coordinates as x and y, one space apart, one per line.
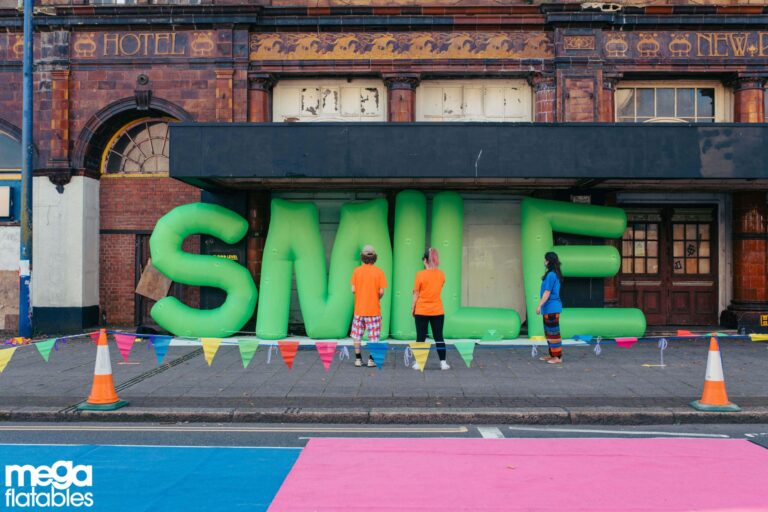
144 478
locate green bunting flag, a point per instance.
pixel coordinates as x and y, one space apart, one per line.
45 347
247 350
466 350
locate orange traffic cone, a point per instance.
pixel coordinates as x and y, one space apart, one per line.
714 398
103 396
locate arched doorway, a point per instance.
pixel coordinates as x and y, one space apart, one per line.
10 168
131 154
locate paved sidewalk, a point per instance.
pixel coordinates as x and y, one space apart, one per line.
503 383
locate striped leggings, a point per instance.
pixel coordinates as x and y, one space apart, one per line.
552 332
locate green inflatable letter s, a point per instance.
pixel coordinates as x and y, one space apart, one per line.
177 265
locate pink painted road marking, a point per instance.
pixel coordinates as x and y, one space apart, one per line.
614 475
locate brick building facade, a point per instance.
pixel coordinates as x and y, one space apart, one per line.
109 78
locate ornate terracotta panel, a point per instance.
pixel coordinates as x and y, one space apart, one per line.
400 45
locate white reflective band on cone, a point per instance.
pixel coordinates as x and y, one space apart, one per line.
104 366
714 366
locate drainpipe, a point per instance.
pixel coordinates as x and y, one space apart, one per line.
27 144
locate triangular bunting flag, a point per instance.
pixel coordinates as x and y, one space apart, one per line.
718 334
326 349
288 351
538 338
5 356
683 333
125 344
466 350
161 344
45 347
625 342
378 352
247 350
586 338
210 347
420 351
758 337
94 336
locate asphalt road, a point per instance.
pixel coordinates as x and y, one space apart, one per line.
297 435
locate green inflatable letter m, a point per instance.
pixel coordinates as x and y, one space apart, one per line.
325 297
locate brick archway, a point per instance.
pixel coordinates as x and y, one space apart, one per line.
99 129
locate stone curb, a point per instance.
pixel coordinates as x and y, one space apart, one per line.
361 415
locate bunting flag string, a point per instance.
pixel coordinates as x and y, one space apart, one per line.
5 356
125 344
466 350
247 350
210 347
288 350
326 349
45 347
413 351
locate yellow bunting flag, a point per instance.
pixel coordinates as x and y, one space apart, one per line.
538 338
758 337
210 346
5 356
420 351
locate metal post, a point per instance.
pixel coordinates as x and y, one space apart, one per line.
27 163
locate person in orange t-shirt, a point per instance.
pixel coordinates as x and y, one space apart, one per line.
428 306
368 284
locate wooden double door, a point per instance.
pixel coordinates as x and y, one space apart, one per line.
669 264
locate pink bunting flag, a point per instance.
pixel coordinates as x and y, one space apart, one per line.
125 344
94 336
326 349
625 342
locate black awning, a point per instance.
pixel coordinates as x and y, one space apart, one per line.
207 152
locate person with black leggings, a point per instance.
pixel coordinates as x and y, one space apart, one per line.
428 306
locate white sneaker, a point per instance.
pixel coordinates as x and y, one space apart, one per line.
416 366
444 365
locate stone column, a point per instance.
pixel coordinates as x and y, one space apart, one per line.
749 100
544 97
402 97
750 232
259 97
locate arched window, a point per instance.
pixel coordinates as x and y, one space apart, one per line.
140 147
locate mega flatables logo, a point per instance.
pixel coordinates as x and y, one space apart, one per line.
60 485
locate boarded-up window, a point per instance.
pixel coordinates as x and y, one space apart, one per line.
473 100
329 100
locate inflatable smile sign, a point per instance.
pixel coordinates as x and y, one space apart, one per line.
294 245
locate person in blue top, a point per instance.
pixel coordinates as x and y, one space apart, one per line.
550 306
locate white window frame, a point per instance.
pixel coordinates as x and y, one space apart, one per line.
483 84
723 96
286 111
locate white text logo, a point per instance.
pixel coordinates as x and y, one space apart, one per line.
48 486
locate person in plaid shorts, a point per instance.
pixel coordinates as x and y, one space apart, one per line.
368 284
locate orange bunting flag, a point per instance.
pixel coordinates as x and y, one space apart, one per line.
683 333
288 351
326 349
